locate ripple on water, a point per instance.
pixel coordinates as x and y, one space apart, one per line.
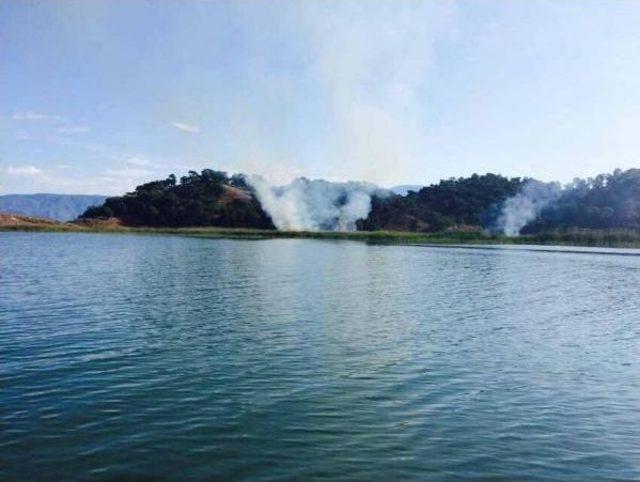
181 358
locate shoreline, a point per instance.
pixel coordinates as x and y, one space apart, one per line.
578 238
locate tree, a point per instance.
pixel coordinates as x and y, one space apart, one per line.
451 202
197 200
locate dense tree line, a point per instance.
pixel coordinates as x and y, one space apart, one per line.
210 198
608 201
452 202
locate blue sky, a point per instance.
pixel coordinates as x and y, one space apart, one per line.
98 96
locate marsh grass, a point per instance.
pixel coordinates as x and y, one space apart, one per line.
573 237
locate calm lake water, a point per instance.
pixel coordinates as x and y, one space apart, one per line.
167 357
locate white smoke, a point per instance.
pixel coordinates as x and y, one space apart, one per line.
373 58
317 205
525 206
357 70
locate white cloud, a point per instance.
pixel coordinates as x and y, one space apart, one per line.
23 171
22 136
129 173
138 161
185 127
31 116
71 130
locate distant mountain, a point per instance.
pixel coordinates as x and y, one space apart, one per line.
61 207
404 189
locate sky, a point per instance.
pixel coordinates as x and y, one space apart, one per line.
99 96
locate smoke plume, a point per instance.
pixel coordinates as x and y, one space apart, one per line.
305 205
525 206
356 70
372 60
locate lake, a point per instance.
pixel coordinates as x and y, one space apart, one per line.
168 357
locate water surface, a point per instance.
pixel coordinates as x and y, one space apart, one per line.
167 357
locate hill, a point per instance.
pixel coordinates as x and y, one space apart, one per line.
61 207
490 202
453 203
210 198
513 206
607 201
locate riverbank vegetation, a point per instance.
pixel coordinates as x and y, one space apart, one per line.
619 238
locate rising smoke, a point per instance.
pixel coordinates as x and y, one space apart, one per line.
525 206
305 205
366 66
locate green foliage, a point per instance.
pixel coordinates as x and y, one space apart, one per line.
452 202
622 238
608 201
205 199
211 198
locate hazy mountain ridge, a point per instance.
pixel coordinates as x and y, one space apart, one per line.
61 207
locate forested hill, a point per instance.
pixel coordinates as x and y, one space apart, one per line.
463 202
490 201
607 201
210 198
